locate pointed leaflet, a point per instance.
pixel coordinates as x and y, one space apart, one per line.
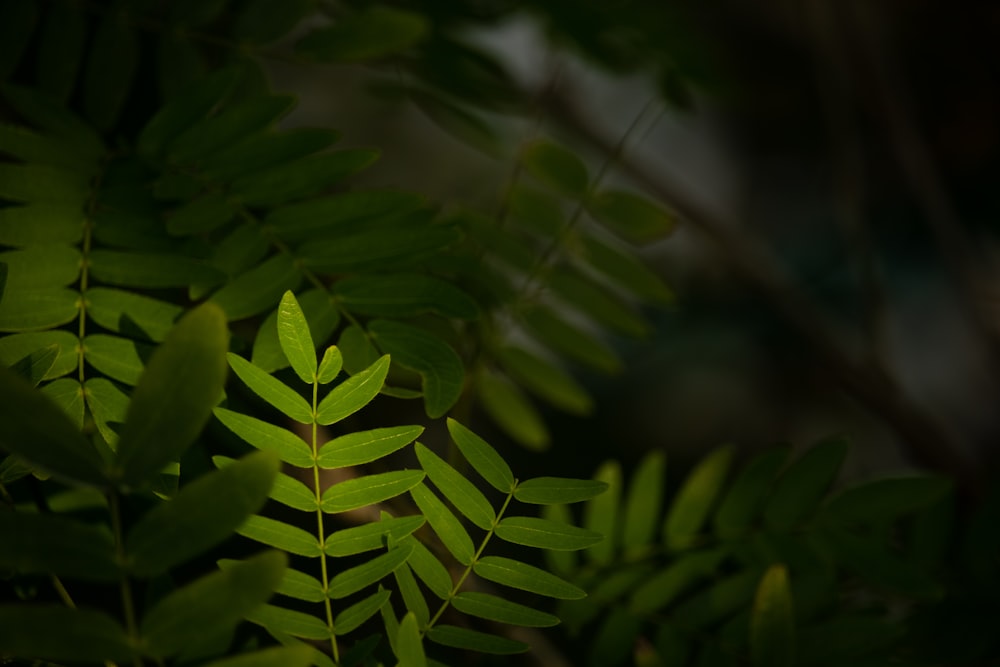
441 372
462 493
447 527
643 504
482 457
175 395
430 570
602 514
369 489
633 218
474 640
47 543
800 489
743 502
512 411
330 366
58 633
373 33
280 535
353 617
39 223
35 366
404 295
201 515
290 448
38 431
545 534
265 150
772 622
526 577
494 608
353 393
108 405
131 314
295 340
320 312
667 584
374 535
280 621
359 577
271 389
560 562
213 603
366 446
227 127
695 499
408 646
557 490
557 168
357 349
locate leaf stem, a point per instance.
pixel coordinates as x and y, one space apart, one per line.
325 577
128 607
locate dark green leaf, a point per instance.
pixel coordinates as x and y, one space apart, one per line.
545 534
356 578
42 184
55 632
281 536
462 493
41 433
447 527
556 168
228 127
41 267
134 269
367 490
259 288
376 249
357 349
201 215
301 178
404 295
800 489
603 514
118 358
512 411
62 39
16 347
591 299
374 535
557 490
633 218
343 213
545 380
131 314
643 504
36 365
473 640
571 341
665 586
526 578
289 622
263 21
28 146
175 396
886 499
413 597
366 446
201 515
695 500
54 118
625 270
353 617
493 608
110 70
772 622
353 393
108 405
271 389
482 457
374 33
47 543
262 435
295 339
41 223
430 570
745 498
265 151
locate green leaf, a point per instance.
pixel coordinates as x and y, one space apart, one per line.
430 570
289 622
201 515
557 168
56 632
512 411
186 110
63 36
16 347
299 179
41 266
408 646
294 584
886 499
369 489
633 218
295 339
258 289
438 365
174 397
447 527
356 578
289 491
262 21
545 380
694 501
31 309
592 299
374 33
404 295
266 150
330 366
131 314
366 446
545 534
41 223
413 597
214 603
320 312
482 457
108 405
879 565
493 608
228 127
743 502
800 489
462 493
282 656
271 389
110 70
280 535
459 121
55 119
353 393
522 576
667 584
37 365
374 535
28 146
118 358
643 504
41 433
262 435
473 640
625 270
47 543
200 216
602 514
772 622
557 490
135 269
357 350
353 617
570 340
375 249
344 213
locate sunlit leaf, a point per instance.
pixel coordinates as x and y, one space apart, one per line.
430 570
482 457
772 622
413 597
330 365
262 435
374 535
526 577
374 33
695 499
367 490
289 622
408 645
353 617
295 340
366 446
56 632
321 313
462 493
353 393
447 527
271 389
356 578
280 535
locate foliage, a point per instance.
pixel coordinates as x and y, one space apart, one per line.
159 230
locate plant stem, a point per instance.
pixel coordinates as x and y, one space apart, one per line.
325 578
128 607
